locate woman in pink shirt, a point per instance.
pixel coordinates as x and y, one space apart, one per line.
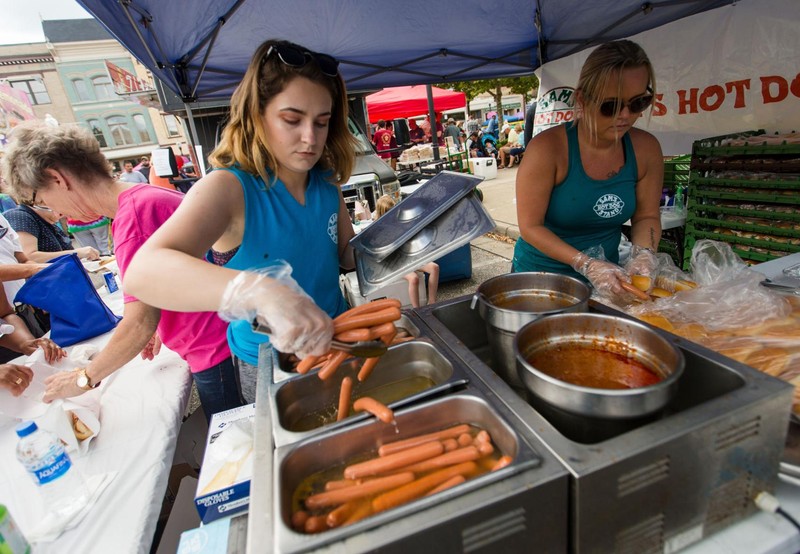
64 169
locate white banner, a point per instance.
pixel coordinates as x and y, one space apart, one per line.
722 71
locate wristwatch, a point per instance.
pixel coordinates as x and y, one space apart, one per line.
84 381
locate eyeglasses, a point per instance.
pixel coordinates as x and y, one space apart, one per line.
294 56
610 108
39 205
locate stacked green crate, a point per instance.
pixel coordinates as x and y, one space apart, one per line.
744 189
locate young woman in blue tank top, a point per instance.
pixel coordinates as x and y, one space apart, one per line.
274 204
579 182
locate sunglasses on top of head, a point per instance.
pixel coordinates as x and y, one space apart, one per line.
295 56
610 108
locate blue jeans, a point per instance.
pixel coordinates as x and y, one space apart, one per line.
218 388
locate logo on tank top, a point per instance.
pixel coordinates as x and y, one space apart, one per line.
608 206
333 227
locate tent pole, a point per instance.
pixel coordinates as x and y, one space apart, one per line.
194 140
432 116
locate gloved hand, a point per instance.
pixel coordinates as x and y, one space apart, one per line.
642 261
605 277
272 296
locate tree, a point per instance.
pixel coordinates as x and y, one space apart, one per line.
526 86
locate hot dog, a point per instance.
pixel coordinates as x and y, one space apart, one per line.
307 363
450 444
502 462
397 446
344 398
415 489
398 460
366 368
365 403
452 482
333 484
354 335
464 439
485 448
299 519
363 510
634 291
466 454
374 486
341 514
370 319
378 331
333 363
369 307
316 524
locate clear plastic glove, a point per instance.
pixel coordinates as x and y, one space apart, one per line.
642 261
270 295
609 280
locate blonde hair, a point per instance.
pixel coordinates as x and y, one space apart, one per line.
36 147
606 61
244 141
383 205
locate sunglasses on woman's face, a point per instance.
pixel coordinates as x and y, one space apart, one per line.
610 108
294 56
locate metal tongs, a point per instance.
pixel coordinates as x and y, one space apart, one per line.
360 349
780 287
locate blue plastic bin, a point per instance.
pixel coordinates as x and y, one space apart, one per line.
455 265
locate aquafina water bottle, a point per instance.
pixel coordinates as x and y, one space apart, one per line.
42 453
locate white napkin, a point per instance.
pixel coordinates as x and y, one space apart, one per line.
52 525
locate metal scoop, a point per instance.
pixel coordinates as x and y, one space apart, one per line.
360 349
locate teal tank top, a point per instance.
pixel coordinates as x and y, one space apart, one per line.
584 212
277 227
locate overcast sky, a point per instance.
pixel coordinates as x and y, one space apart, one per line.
20 20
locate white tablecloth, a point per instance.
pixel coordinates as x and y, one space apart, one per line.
141 408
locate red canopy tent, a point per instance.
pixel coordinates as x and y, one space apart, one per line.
391 103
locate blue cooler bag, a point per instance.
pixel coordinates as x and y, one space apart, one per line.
76 311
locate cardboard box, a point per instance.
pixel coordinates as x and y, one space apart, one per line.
483 167
223 488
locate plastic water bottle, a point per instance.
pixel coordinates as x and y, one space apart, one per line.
11 539
680 200
42 453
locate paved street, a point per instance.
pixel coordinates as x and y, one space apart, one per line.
491 257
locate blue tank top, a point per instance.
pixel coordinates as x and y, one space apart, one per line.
584 212
277 227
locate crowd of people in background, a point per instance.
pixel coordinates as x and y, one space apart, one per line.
480 139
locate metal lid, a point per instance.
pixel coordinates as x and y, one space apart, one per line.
404 224
458 225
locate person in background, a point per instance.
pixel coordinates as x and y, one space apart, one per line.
510 152
453 131
491 126
472 125
383 142
129 175
65 168
415 133
40 235
272 203
579 182
92 233
144 167
383 205
474 146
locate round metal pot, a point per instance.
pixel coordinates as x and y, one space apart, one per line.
507 302
637 341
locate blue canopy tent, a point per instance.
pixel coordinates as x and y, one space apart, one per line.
200 48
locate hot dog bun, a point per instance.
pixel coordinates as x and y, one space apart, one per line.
82 432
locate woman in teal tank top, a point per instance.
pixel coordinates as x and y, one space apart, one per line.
276 206
580 181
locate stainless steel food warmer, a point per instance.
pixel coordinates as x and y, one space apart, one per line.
654 484
521 507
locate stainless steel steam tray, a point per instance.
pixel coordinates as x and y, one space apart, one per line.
465 516
407 218
655 484
409 372
461 223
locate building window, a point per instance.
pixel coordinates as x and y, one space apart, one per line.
97 131
173 128
80 90
103 89
141 128
120 131
34 88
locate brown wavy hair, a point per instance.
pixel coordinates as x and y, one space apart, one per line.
604 62
244 141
